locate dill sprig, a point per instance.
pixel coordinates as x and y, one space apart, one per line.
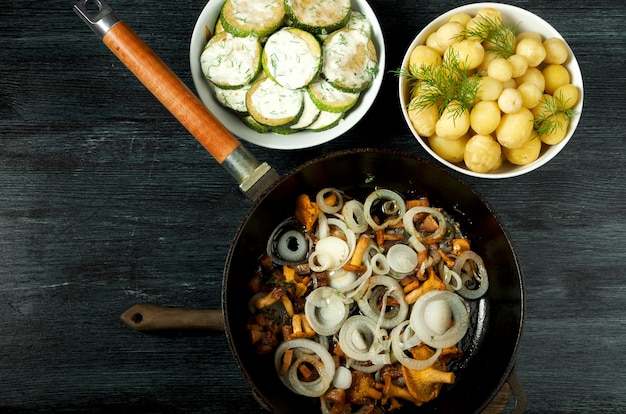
498 36
547 122
441 85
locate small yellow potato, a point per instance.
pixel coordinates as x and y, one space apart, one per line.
485 117
515 129
453 123
462 18
431 42
489 89
489 14
545 108
423 119
450 150
487 58
566 95
449 33
482 153
510 100
509 84
500 69
556 51
519 64
422 56
526 154
531 95
469 53
533 75
558 132
528 35
555 76
532 50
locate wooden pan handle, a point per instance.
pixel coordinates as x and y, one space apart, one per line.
170 91
149 317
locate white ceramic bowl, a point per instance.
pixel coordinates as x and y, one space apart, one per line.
301 139
526 21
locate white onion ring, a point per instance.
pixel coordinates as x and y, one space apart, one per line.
409 225
315 388
402 260
354 216
379 264
359 328
483 278
319 198
398 351
460 316
394 290
384 194
319 350
326 309
330 253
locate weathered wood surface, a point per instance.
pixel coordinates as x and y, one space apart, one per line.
106 201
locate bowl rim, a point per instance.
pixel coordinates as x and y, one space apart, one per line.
547 154
301 139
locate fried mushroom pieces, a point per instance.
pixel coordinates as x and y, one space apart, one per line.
397 385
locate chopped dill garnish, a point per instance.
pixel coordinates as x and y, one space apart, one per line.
548 122
440 85
498 36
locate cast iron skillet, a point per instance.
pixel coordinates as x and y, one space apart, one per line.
496 319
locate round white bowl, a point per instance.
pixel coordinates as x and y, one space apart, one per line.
526 21
301 139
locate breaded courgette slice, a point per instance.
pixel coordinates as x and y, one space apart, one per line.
328 98
230 62
349 59
292 57
326 120
318 16
257 17
273 105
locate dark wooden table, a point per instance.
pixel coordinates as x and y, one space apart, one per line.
105 201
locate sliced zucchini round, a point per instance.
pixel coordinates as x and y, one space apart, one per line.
233 99
326 120
318 16
359 21
310 113
230 62
273 105
292 57
252 17
328 98
349 60
252 123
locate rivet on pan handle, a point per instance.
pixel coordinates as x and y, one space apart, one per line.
253 177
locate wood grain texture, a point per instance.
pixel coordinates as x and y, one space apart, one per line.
107 201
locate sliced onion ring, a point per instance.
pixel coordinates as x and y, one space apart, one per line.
310 346
398 351
386 195
326 309
371 309
460 316
321 196
482 279
409 225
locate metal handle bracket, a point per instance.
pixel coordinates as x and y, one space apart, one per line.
100 20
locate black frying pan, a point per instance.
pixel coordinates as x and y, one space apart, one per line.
496 322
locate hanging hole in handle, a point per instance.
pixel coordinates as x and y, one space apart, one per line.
98 15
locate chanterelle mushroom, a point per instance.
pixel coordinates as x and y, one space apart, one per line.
424 385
